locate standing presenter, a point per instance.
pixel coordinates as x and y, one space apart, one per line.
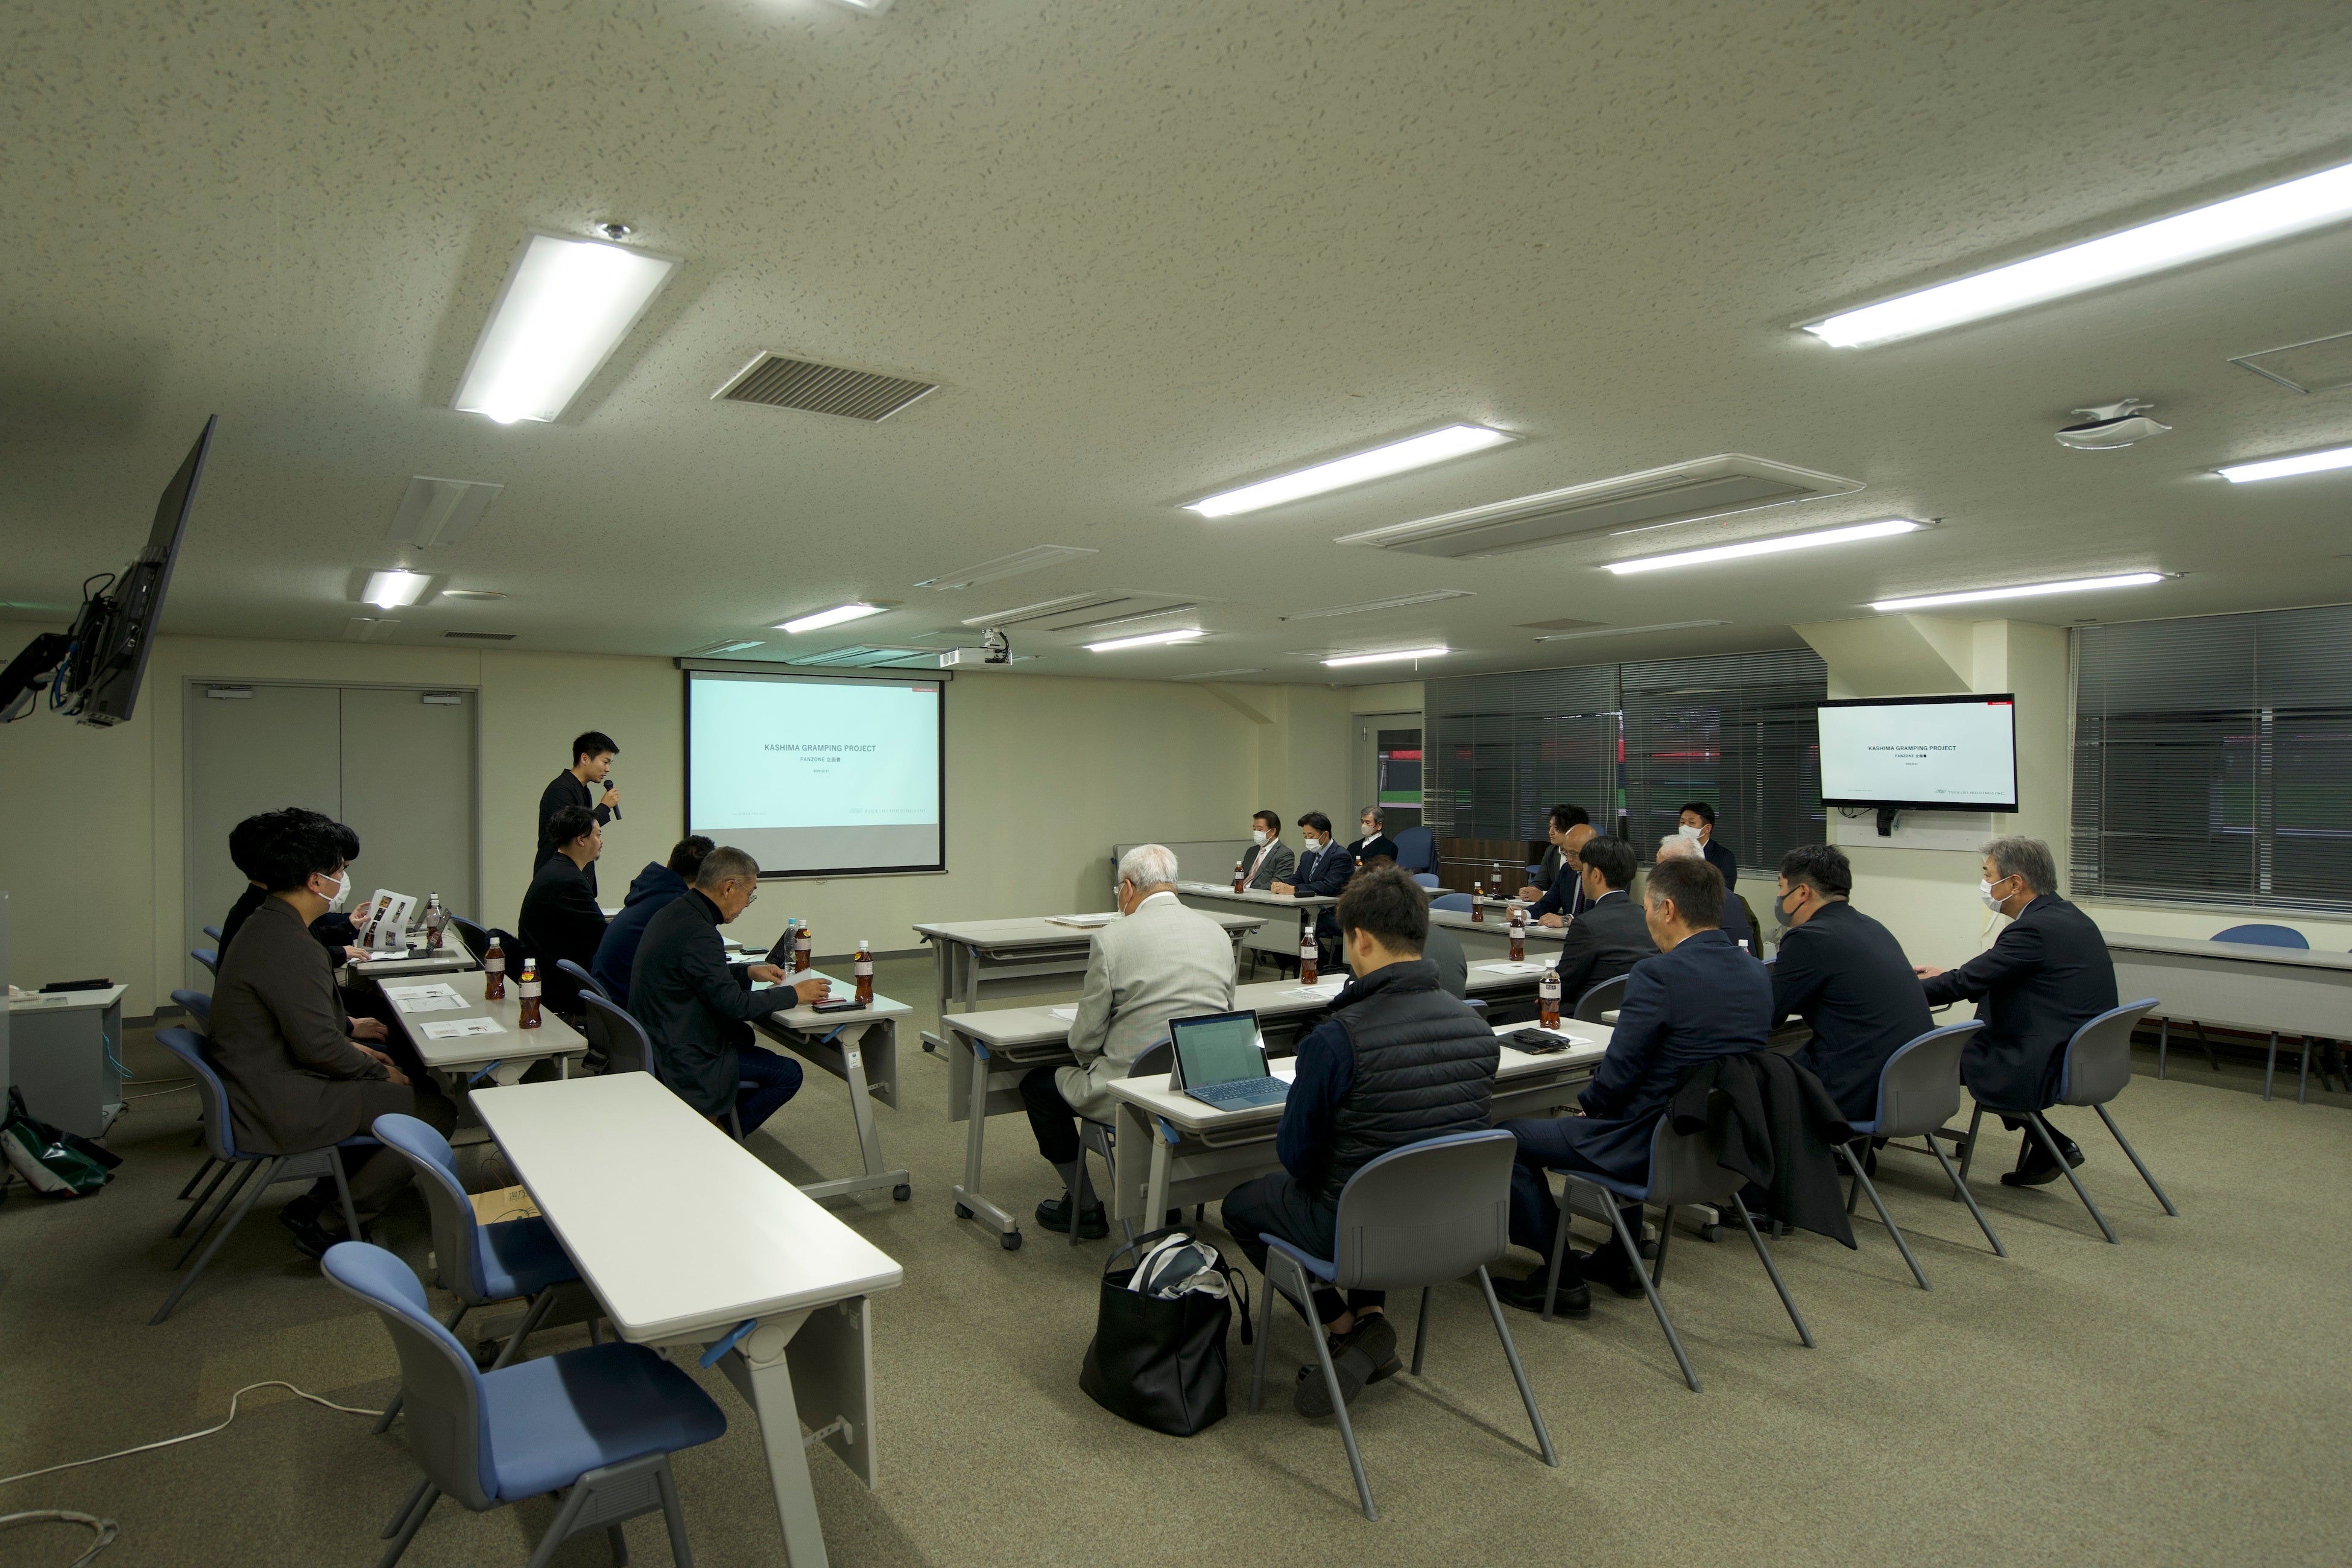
586 783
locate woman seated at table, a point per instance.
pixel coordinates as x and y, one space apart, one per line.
299 1073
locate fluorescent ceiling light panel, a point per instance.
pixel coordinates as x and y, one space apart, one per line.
2022 591
2288 468
1221 674
440 511
1127 618
1035 559
835 617
867 7
359 628
1396 458
1628 631
2254 218
1400 602
1772 546
1146 639
566 305
1384 657
390 590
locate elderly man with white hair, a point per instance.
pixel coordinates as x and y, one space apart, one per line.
1677 846
1163 960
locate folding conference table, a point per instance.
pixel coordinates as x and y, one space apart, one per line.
980 960
1277 935
861 1048
2240 985
468 1062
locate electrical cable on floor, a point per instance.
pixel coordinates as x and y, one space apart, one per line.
184 1083
192 1437
106 1528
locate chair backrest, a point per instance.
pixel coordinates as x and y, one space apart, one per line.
220 1138
1476 1004
1424 878
1682 1169
208 956
2098 1058
441 1392
2262 935
1428 1212
1460 902
1416 849
197 1005
1599 999
612 1030
477 940
1919 1085
1158 1057
213 931
457 1236
585 981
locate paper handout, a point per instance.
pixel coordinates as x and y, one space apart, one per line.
458 1029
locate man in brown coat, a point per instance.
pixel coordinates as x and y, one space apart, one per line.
301 1074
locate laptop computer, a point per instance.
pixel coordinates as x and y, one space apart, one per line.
1221 1061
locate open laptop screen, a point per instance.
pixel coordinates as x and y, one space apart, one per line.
1218 1048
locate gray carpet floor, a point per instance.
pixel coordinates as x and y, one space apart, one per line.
2180 1398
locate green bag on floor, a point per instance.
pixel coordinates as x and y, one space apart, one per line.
54 1164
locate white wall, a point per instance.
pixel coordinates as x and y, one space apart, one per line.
1045 774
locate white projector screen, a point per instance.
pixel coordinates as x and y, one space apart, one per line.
1921 753
815 776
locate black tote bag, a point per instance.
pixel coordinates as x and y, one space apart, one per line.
1160 1364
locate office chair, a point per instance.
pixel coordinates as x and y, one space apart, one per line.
616 1034
213 931
1607 996
208 956
1919 1092
477 940
198 1006
1100 1138
580 977
1459 902
1424 879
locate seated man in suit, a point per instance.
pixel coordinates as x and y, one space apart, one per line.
1613 934
1162 960
1322 870
657 887
332 929
1699 826
2045 976
1395 1061
1699 998
299 1072
1563 820
560 915
1735 916
1374 844
696 1008
1845 974
1269 859
1566 898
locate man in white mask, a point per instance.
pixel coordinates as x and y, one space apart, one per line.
1322 870
1269 858
1699 826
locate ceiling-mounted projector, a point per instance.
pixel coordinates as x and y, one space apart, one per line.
2116 424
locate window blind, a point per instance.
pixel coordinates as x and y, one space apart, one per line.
1739 732
2213 760
1505 749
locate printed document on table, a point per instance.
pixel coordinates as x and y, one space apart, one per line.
1505 966
1067 1015
458 1029
438 998
1321 991
1084 921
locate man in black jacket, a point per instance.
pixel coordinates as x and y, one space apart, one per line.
591 761
1846 975
1323 868
1611 935
655 888
1699 826
560 916
1698 999
1396 1061
1563 821
695 1007
1375 844
246 843
2044 978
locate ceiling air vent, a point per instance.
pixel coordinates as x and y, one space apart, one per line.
779 382
1066 605
1685 492
2322 364
862 658
480 637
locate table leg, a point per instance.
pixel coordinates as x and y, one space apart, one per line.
759 1371
1129 1170
969 1203
1155 1197
968 997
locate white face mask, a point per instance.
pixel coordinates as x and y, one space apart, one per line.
1690 833
1312 843
1259 836
1984 891
343 891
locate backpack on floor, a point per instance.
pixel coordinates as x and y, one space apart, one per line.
1158 1357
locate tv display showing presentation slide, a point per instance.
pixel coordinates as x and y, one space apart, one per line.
816 776
1921 753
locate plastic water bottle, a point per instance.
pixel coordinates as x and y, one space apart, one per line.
1237 877
864 969
494 972
1478 901
1547 1000
527 992
436 920
1308 954
803 951
1518 932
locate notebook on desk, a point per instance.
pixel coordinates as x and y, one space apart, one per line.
1219 1060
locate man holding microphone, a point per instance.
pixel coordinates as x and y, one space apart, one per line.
592 765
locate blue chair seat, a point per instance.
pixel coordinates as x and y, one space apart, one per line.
1323 1268
563 1415
521 1257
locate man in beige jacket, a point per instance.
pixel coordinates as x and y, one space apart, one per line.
1160 961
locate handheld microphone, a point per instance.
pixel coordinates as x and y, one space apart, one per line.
613 783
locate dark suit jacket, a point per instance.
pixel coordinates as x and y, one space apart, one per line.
559 919
333 930
1719 855
695 1005
1271 865
655 888
1703 1000
1323 874
1372 848
1736 926
1606 941
2043 978
564 790
1565 897
1846 975
281 1039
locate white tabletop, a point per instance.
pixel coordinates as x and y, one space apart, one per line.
1496 927
1039 930
2242 951
453 956
67 1001
1255 896
1029 1025
809 1021
681 1231
1152 1094
553 1038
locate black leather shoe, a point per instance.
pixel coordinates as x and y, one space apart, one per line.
309 1236
1053 1214
1609 1268
2036 1169
1528 1294
1365 1354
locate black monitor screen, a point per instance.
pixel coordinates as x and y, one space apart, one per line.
122 639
